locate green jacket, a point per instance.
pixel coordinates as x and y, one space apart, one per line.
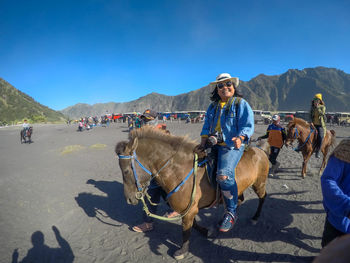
319 111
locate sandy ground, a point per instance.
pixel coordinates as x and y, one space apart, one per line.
61 197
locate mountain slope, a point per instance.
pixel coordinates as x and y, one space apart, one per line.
292 90
16 106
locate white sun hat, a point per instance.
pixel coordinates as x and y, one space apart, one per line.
225 77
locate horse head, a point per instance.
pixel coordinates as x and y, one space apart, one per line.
298 129
292 133
125 151
148 153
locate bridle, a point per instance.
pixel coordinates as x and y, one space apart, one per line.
134 158
141 192
296 136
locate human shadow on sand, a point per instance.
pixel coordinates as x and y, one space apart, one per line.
41 253
273 225
111 209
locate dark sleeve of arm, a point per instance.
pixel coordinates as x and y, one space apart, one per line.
265 136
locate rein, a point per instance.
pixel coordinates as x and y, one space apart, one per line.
296 135
141 191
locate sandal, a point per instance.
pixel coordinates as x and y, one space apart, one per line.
172 214
144 227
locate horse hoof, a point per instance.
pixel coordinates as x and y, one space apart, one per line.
180 254
213 232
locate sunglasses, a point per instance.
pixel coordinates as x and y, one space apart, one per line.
222 84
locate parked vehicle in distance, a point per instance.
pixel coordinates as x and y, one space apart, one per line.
303 115
267 116
258 118
342 118
286 116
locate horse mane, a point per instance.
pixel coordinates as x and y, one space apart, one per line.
298 121
150 132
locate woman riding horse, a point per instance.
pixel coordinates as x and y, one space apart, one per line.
305 133
317 114
230 123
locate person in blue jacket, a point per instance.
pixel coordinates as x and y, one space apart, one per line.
228 126
335 183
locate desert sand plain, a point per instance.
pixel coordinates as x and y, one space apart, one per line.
61 197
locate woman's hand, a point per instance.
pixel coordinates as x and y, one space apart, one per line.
237 141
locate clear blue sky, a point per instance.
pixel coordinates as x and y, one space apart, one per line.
62 52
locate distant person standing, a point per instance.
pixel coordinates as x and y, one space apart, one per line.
81 125
276 135
25 125
335 183
318 117
149 117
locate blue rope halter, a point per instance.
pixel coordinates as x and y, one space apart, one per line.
138 185
296 135
134 157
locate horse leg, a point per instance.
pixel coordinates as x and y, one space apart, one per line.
258 211
260 191
187 222
324 152
204 231
306 155
240 199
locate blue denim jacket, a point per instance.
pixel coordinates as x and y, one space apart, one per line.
335 183
229 126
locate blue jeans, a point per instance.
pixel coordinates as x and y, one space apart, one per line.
319 138
228 159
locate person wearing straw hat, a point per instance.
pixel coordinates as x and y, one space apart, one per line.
228 126
318 118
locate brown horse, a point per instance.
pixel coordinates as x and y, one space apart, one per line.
169 159
305 133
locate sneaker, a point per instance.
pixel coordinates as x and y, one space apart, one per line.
228 222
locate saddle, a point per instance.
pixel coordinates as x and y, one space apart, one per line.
209 161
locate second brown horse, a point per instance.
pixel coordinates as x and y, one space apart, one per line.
304 132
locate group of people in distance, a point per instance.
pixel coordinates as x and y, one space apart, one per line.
229 126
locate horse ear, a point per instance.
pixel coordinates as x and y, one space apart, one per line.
132 145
